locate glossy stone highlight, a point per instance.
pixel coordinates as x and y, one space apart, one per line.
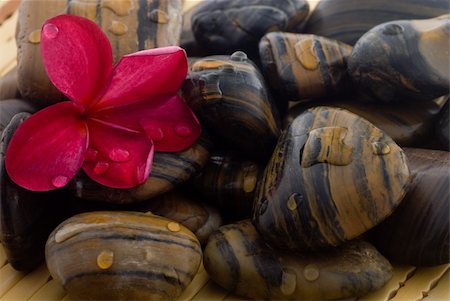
238 259
341 187
399 60
300 66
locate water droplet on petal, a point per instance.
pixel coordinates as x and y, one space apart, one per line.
119 155
101 167
380 148
239 56
50 31
183 130
173 226
105 259
154 133
59 181
35 36
311 272
91 155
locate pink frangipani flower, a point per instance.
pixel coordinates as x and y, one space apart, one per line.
115 119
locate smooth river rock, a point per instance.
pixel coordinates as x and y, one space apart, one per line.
332 177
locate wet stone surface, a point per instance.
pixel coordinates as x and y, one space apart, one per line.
237 258
398 60
230 98
26 217
300 66
123 255
223 26
348 20
332 177
421 222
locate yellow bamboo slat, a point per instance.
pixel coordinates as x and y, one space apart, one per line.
399 277
442 290
3 259
8 47
196 285
28 285
210 291
51 291
421 283
9 277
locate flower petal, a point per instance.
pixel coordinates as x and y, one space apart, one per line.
116 157
167 120
143 75
48 149
77 56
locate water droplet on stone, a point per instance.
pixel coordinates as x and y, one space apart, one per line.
173 226
239 56
304 51
326 145
101 167
292 202
288 282
210 87
105 259
249 183
59 181
263 206
118 28
50 31
119 155
159 16
154 133
380 148
226 68
91 155
311 272
392 29
35 36
183 130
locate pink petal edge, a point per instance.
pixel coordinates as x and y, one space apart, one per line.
77 56
143 75
117 158
48 149
167 120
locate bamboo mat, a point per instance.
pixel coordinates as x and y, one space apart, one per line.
407 284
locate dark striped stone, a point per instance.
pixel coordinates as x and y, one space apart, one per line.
238 259
442 128
168 171
300 66
403 60
229 96
418 232
225 26
123 256
26 217
11 107
332 177
130 25
201 218
348 20
409 125
229 184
